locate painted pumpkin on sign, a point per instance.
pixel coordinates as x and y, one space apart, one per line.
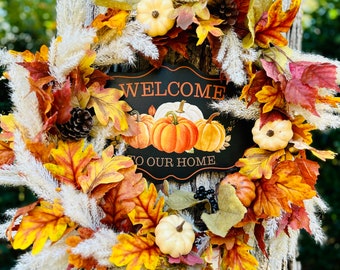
144 125
211 134
174 236
156 16
174 134
182 109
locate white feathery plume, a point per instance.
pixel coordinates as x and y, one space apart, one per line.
271 226
232 55
314 207
121 148
70 13
53 257
100 134
123 48
282 249
237 108
9 214
80 208
10 176
329 116
67 51
66 54
99 246
25 102
33 173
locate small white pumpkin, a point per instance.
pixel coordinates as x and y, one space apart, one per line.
156 16
174 236
182 109
273 135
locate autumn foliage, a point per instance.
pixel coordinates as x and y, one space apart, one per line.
269 185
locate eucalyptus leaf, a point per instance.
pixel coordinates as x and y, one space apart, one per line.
231 211
180 200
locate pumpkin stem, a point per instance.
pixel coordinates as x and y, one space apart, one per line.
174 117
155 14
270 133
179 228
181 107
212 116
135 112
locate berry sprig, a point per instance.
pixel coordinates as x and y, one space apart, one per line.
202 194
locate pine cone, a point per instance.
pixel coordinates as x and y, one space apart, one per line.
79 125
225 10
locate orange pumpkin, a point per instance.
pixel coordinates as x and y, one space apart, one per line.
211 134
245 188
174 134
144 125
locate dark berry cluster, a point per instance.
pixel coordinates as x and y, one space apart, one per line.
202 194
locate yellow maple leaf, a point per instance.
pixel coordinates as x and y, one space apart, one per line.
207 26
239 257
113 19
302 130
85 65
271 96
107 105
70 161
104 170
28 56
45 221
258 162
134 252
147 211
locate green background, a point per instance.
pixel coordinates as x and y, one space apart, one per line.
27 24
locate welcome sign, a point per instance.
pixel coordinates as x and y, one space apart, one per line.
189 137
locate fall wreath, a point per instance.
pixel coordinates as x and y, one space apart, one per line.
94 211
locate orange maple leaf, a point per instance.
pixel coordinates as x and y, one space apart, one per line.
135 251
45 221
120 200
289 179
239 258
258 79
70 161
104 170
286 186
147 211
258 162
269 28
267 202
7 126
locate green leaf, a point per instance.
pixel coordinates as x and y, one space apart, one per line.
231 211
180 200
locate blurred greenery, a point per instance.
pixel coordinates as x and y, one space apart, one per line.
28 24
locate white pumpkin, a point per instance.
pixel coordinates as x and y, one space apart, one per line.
182 109
174 236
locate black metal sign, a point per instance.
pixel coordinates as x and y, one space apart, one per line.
185 141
